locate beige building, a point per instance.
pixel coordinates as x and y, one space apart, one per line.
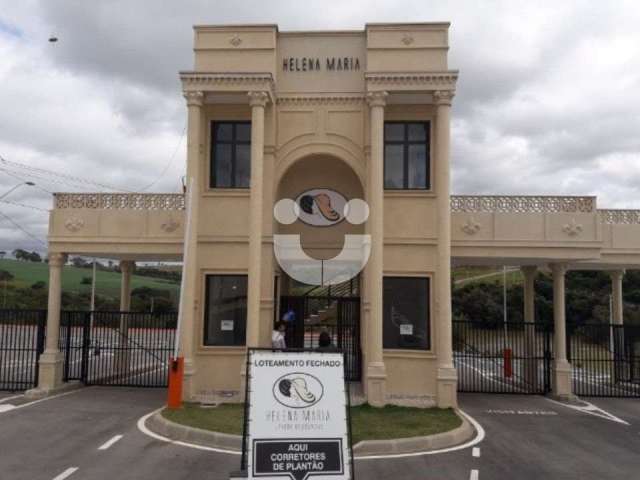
322 118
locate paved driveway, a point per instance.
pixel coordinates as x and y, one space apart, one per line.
527 437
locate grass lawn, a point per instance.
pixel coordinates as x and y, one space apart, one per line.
368 423
107 283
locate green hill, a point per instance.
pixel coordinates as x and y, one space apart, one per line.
107 283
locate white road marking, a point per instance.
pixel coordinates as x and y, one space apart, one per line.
591 409
45 399
142 427
66 474
6 408
6 399
474 475
476 452
110 442
480 434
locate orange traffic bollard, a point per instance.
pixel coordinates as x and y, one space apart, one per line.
508 363
176 371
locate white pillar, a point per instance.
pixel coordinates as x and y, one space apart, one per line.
446 377
51 361
562 381
195 177
616 296
122 356
258 101
530 344
126 268
617 333
376 372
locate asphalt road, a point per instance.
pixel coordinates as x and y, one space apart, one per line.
527 437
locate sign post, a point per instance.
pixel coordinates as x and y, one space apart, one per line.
298 424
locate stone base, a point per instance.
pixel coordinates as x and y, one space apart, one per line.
376 384
38 393
188 389
447 381
50 370
561 381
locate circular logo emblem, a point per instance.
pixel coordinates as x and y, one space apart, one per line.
298 390
321 207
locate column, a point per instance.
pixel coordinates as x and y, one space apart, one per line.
51 360
561 384
195 176
530 344
122 356
446 377
616 297
126 268
258 102
617 319
376 372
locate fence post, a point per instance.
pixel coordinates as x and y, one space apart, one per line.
40 342
86 343
66 317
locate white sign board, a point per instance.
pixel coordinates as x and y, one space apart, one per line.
297 416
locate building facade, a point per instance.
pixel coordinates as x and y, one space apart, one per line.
311 122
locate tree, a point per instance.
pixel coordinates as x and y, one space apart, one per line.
6 276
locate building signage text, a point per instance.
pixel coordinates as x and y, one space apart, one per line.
314 64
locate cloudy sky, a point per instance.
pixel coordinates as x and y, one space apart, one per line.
548 98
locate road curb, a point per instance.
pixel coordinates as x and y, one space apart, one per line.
38 393
177 432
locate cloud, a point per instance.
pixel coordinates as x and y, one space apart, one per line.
547 101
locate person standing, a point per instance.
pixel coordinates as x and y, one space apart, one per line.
278 336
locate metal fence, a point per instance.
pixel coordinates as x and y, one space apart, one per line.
118 348
338 316
605 359
505 358
22 336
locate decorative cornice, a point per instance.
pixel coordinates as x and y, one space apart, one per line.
194 98
443 97
229 82
235 40
377 99
619 217
521 204
258 98
426 81
321 100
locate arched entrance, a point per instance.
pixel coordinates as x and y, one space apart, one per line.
314 294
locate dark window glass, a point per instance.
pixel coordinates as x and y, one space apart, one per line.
230 154
394 132
406 155
224 171
393 166
417 166
406 313
225 321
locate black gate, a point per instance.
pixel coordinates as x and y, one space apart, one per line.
338 316
605 359
22 336
117 348
512 357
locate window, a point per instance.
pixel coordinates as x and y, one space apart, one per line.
406 155
230 154
225 321
406 313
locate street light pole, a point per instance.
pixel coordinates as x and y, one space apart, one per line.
31 184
